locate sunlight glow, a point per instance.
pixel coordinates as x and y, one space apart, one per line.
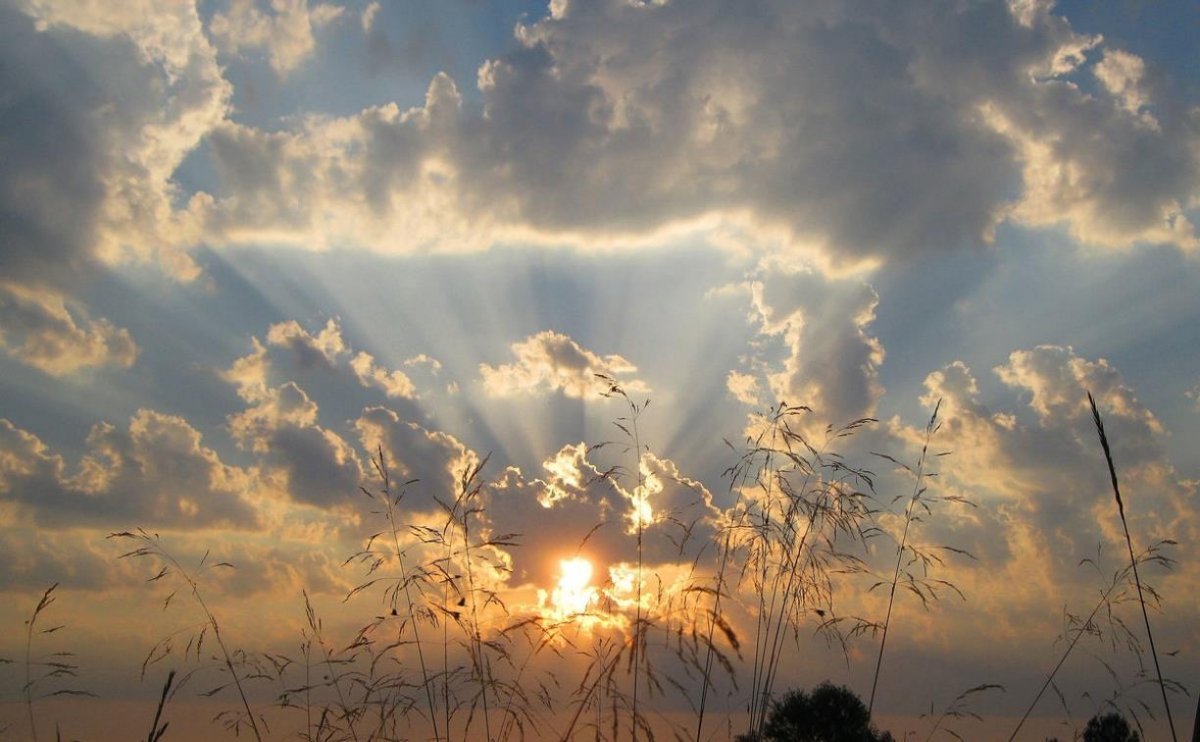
574 594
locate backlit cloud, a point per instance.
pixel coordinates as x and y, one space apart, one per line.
831 360
866 136
284 32
1046 476
552 362
38 329
154 473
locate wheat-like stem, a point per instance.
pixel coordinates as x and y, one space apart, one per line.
153 547
1112 472
908 518
381 469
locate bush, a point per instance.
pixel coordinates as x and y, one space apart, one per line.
831 713
1110 727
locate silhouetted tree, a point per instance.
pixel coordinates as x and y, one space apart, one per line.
1110 727
831 713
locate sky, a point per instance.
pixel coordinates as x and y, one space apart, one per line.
248 247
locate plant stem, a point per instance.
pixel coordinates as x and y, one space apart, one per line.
429 693
1112 472
1061 660
908 517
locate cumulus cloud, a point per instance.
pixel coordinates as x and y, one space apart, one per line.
313 464
862 137
393 383
743 387
552 362
102 104
437 461
832 360
281 422
106 144
865 136
284 32
324 348
369 14
327 350
155 473
578 509
38 329
1045 477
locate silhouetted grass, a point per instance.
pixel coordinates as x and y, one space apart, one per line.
1132 560
446 652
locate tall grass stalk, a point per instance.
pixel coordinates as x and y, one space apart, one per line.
831 502
152 548
470 489
157 731
918 490
1088 626
38 671
808 499
738 477
1112 472
391 502
629 426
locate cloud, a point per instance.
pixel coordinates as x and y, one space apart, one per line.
437 461
102 104
327 350
285 33
575 508
1046 478
324 348
553 362
831 360
743 387
369 14
393 383
312 463
93 180
38 329
155 473
37 558
864 137
857 138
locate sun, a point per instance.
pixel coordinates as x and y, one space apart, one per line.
574 594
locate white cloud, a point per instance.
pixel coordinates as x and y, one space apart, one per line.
284 33
551 361
1047 477
394 383
324 348
832 360
863 137
369 14
859 138
1122 74
108 144
743 387
156 472
38 329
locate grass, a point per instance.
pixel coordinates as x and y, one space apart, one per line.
1133 562
446 653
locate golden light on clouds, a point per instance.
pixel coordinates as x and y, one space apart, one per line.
574 593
